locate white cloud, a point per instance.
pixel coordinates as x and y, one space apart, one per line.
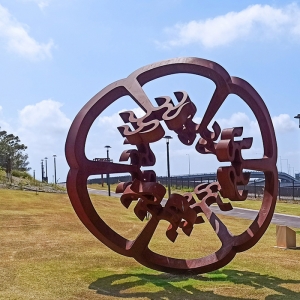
17 39
283 123
41 3
259 21
113 121
240 119
45 114
43 126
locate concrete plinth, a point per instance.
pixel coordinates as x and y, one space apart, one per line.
286 237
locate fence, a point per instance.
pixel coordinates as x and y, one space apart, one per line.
255 187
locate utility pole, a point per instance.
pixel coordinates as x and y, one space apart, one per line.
167 137
54 160
42 166
107 175
46 169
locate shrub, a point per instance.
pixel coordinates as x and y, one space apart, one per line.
21 174
2 175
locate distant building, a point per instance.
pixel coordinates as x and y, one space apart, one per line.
297 176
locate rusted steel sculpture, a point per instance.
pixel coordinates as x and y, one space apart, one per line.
183 212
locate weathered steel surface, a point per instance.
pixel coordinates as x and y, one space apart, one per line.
182 212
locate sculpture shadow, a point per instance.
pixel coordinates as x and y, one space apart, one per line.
180 287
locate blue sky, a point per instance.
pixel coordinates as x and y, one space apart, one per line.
55 55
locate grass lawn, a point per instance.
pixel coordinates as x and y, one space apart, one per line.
281 206
46 253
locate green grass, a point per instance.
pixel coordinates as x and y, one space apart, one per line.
281 206
46 253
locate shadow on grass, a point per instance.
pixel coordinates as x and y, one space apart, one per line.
171 287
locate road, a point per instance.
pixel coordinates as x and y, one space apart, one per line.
243 213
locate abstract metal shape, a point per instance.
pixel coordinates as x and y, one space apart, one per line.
181 211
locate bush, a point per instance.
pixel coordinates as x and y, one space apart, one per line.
21 174
2 175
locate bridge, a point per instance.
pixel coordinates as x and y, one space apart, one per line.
255 177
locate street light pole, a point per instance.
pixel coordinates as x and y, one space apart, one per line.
167 137
46 169
54 160
107 175
298 117
42 166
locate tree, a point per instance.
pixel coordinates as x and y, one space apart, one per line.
12 156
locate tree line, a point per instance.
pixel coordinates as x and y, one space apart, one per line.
12 155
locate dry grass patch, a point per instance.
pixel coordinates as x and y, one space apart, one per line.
46 253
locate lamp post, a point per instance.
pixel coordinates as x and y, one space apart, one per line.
42 166
107 175
46 169
168 138
54 160
298 117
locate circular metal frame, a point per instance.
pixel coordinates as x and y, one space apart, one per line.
228 177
